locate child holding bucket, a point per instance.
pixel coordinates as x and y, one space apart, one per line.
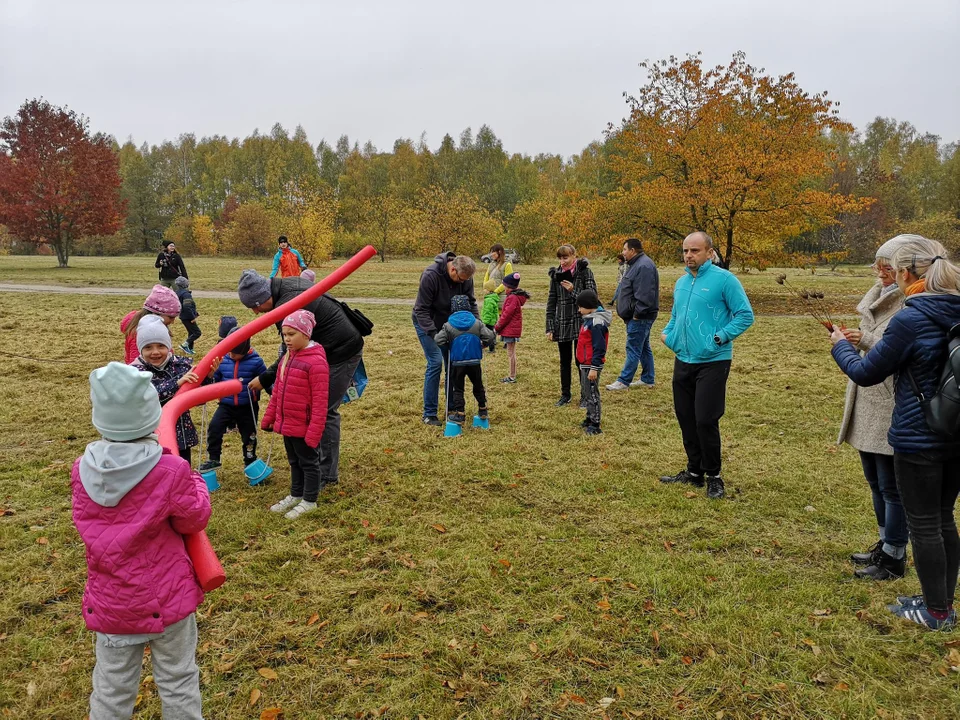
241 410
133 502
168 373
297 410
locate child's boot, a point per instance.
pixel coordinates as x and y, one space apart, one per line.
457 417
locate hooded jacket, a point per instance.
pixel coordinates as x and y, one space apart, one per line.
132 504
465 323
592 341
867 410
432 306
638 292
334 331
510 323
916 338
707 307
563 318
298 405
250 366
188 306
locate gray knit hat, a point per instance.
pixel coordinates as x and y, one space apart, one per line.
253 288
125 404
182 282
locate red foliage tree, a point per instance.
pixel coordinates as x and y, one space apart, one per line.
57 182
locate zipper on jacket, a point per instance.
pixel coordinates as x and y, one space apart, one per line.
686 313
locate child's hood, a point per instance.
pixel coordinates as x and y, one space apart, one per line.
462 320
600 317
109 470
521 295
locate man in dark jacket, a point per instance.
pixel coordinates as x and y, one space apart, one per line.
170 264
638 302
341 341
449 275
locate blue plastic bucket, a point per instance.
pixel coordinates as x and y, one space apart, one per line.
257 471
210 478
452 429
481 423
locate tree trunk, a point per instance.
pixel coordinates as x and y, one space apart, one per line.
729 253
62 247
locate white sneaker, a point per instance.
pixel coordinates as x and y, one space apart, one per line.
618 386
302 509
641 384
288 502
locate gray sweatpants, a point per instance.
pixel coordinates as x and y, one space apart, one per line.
590 395
116 676
340 376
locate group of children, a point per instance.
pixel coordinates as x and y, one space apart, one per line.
465 337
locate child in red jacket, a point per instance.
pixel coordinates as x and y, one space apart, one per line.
591 355
510 324
132 503
298 411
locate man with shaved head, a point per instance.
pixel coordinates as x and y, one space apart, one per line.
710 309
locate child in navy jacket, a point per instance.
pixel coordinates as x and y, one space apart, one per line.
241 410
591 355
188 313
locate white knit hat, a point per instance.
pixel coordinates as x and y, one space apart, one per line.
889 249
152 330
125 404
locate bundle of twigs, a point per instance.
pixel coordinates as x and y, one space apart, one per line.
813 300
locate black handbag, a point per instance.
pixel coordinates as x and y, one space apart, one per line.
361 322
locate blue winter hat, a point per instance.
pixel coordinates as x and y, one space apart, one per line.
512 280
125 404
243 348
459 302
227 323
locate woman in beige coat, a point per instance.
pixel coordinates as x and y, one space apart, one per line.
866 420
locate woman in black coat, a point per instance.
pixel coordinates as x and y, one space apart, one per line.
572 277
170 264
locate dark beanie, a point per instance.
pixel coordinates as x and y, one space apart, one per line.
512 281
588 299
253 288
243 348
459 302
283 239
227 323
167 243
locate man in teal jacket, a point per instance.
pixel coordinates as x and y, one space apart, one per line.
710 309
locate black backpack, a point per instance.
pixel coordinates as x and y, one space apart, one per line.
942 411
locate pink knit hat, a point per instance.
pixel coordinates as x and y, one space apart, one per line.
302 321
162 301
309 274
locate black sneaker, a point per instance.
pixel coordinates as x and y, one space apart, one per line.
684 476
592 430
456 417
564 400
484 413
209 465
886 567
431 420
869 557
714 487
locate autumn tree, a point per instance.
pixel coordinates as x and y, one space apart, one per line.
306 215
250 232
57 181
530 231
728 150
455 221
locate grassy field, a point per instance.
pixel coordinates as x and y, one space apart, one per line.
399 278
524 572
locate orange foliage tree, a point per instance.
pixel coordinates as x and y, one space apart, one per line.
728 150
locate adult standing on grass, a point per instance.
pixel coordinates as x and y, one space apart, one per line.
493 288
288 262
927 464
449 275
638 303
568 280
341 341
710 309
170 264
866 422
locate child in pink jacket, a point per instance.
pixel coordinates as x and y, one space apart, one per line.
132 503
298 411
510 325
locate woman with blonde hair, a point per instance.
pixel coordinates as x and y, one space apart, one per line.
493 289
927 464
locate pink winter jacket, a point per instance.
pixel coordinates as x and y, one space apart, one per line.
130 352
139 577
510 323
298 405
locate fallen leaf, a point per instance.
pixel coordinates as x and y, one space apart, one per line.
620 692
313 619
504 562
533 648
841 686
486 630
394 656
224 668
656 639
42 541
690 494
604 604
648 605
31 688
595 663
822 613
254 696
365 522
606 702
686 660
273 713
388 451
558 618
439 528
580 700
352 662
268 673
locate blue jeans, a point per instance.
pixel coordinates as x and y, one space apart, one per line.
891 519
639 352
436 361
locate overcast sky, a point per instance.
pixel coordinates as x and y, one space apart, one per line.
546 76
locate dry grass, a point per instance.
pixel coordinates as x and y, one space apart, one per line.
525 572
